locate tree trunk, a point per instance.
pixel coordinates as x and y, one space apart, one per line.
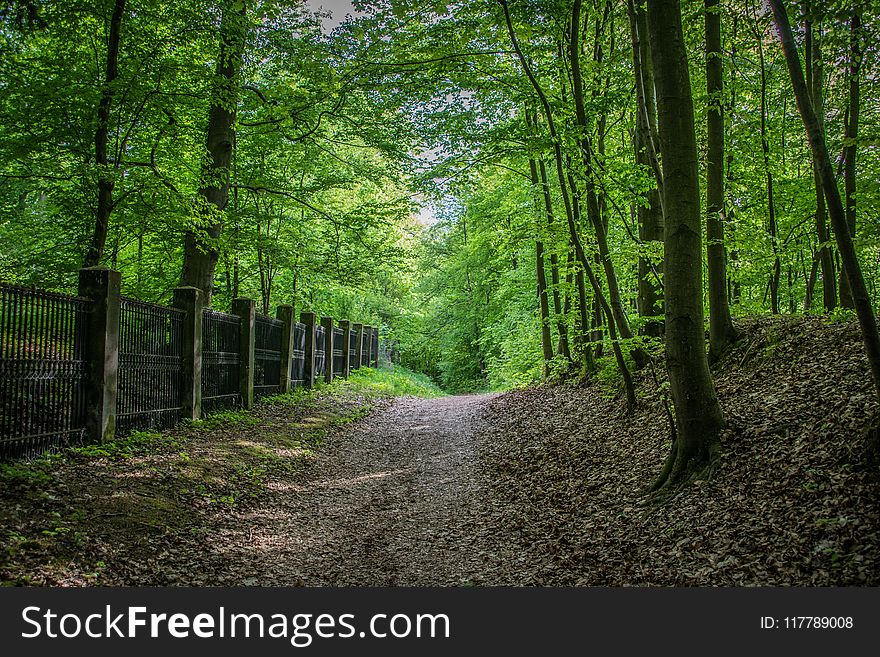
850 137
105 177
546 341
201 250
772 229
698 417
650 217
572 228
554 268
593 211
813 61
867 319
721 331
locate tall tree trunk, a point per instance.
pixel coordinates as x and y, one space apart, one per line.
572 228
813 62
554 268
850 137
772 228
650 217
201 250
698 416
593 211
721 331
543 303
861 300
105 177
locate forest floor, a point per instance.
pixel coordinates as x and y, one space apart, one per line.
532 487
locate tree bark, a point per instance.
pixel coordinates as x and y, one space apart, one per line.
813 61
850 137
861 300
572 228
650 217
721 331
201 250
543 303
561 328
105 177
593 211
698 416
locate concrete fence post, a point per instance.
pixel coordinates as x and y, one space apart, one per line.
345 325
191 301
358 329
285 314
245 309
102 286
309 320
327 323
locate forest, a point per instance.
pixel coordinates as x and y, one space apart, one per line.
612 195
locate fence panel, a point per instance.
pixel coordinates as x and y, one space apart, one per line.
298 356
150 382
353 349
267 356
338 354
365 349
42 371
320 354
375 349
220 361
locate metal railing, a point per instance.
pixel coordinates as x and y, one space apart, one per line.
338 353
150 379
220 361
43 371
267 356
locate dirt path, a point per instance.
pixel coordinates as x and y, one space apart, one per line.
395 499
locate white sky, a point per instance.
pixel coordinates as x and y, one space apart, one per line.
338 9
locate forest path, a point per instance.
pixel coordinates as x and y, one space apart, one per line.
392 500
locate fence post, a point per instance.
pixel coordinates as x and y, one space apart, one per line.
327 323
285 314
345 325
358 337
309 368
190 300
102 287
246 310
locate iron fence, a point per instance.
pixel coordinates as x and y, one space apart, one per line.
353 350
298 356
42 371
220 361
267 356
338 353
320 354
374 350
150 379
365 349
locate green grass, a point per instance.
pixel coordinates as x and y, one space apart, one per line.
395 381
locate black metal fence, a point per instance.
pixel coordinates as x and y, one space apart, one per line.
338 353
320 353
267 356
298 357
150 379
220 361
42 371
55 375
374 349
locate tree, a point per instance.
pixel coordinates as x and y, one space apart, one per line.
721 331
813 127
698 416
200 244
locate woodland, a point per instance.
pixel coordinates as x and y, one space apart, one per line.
616 200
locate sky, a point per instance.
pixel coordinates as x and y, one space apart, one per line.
338 9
